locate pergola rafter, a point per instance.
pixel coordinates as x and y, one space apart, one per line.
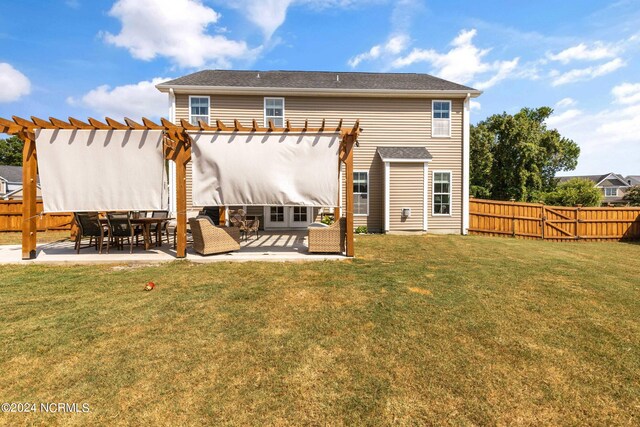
177 148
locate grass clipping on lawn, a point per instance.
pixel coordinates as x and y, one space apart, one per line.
417 330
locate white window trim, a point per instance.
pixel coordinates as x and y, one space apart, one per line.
264 110
433 193
425 196
610 188
368 192
432 119
208 107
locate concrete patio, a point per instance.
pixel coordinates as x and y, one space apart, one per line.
273 246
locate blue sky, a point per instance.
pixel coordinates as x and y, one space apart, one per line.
96 58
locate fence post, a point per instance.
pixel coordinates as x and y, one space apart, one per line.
543 220
578 222
513 217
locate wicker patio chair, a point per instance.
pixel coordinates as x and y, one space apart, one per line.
120 228
328 239
89 226
211 239
252 226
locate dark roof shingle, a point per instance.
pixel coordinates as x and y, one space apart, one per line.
404 153
11 173
316 80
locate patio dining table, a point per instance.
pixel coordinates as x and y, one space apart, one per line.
146 224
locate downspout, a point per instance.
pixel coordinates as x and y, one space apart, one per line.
172 165
466 147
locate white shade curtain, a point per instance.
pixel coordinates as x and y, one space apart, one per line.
101 170
262 169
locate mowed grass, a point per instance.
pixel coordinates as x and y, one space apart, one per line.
15 237
417 330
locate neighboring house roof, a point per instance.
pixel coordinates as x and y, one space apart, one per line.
11 174
316 81
613 179
633 179
406 154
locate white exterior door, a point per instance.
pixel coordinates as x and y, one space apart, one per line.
287 217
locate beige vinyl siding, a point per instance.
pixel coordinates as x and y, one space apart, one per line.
385 122
406 191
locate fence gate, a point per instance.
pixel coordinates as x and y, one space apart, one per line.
537 221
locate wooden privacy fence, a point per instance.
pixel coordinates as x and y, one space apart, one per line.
537 221
11 217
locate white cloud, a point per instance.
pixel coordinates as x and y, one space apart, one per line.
566 116
176 29
627 93
394 46
475 105
13 84
463 63
505 69
582 52
268 15
134 100
606 137
565 103
584 74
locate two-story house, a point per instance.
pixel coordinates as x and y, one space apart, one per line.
612 185
411 166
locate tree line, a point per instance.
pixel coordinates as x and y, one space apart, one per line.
517 157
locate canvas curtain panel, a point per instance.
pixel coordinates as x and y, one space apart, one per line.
101 170
290 169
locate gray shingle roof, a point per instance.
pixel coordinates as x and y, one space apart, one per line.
635 179
316 80
404 153
11 173
597 178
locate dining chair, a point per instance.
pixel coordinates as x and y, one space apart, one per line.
120 228
161 228
89 226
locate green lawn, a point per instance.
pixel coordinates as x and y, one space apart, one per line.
15 237
417 330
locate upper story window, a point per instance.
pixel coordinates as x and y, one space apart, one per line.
441 119
198 109
441 193
361 193
610 192
274 111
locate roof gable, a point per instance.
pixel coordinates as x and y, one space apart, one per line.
11 173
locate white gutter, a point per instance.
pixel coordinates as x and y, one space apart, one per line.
466 147
243 90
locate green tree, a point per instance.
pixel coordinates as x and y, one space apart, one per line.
574 192
516 156
11 151
632 196
480 180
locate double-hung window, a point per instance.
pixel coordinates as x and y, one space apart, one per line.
198 109
361 193
442 193
610 191
274 111
441 119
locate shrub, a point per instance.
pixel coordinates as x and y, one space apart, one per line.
326 219
632 196
361 229
576 191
